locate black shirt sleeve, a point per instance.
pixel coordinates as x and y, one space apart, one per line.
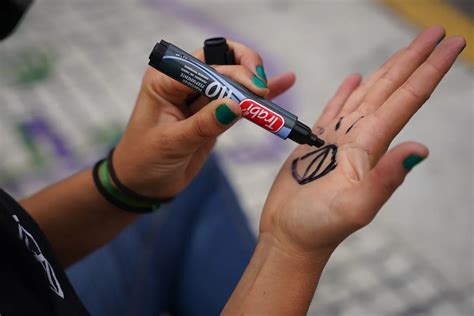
32 282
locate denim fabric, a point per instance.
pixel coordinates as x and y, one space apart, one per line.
185 259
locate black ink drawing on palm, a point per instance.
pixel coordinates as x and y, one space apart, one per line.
323 161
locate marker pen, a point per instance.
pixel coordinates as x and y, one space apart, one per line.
205 80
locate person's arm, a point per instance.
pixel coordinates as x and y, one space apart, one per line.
75 216
321 196
164 146
277 280
77 219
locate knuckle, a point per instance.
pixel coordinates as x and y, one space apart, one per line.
366 104
242 69
402 51
437 70
388 79
251 55
389 184
413 53
201 127
412 92
257 57
238 72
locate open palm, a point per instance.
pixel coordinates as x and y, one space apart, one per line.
322 195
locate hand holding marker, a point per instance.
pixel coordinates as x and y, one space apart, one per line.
190 71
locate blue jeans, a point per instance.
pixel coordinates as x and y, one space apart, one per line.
185 259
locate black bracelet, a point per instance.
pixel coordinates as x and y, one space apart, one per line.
116 197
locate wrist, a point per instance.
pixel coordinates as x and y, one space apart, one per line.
278 280
292 255
306 245
116 195
127 169
147 171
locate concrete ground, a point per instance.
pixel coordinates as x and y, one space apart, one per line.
81 66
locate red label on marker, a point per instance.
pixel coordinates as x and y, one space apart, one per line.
261 115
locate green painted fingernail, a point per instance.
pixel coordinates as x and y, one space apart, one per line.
261 72
259 82
225 115
412 161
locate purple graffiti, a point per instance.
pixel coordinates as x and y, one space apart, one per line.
38 128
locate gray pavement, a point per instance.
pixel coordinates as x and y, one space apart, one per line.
416 258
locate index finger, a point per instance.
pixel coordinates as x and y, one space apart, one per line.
244 56
408 98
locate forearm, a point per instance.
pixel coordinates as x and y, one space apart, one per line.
75 217
276 281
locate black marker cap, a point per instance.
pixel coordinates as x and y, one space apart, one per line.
157 53
217 52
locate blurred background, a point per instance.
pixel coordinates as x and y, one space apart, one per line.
70 74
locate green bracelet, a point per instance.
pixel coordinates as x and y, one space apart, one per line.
117 197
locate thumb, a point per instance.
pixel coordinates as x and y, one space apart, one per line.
208 123
387 175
